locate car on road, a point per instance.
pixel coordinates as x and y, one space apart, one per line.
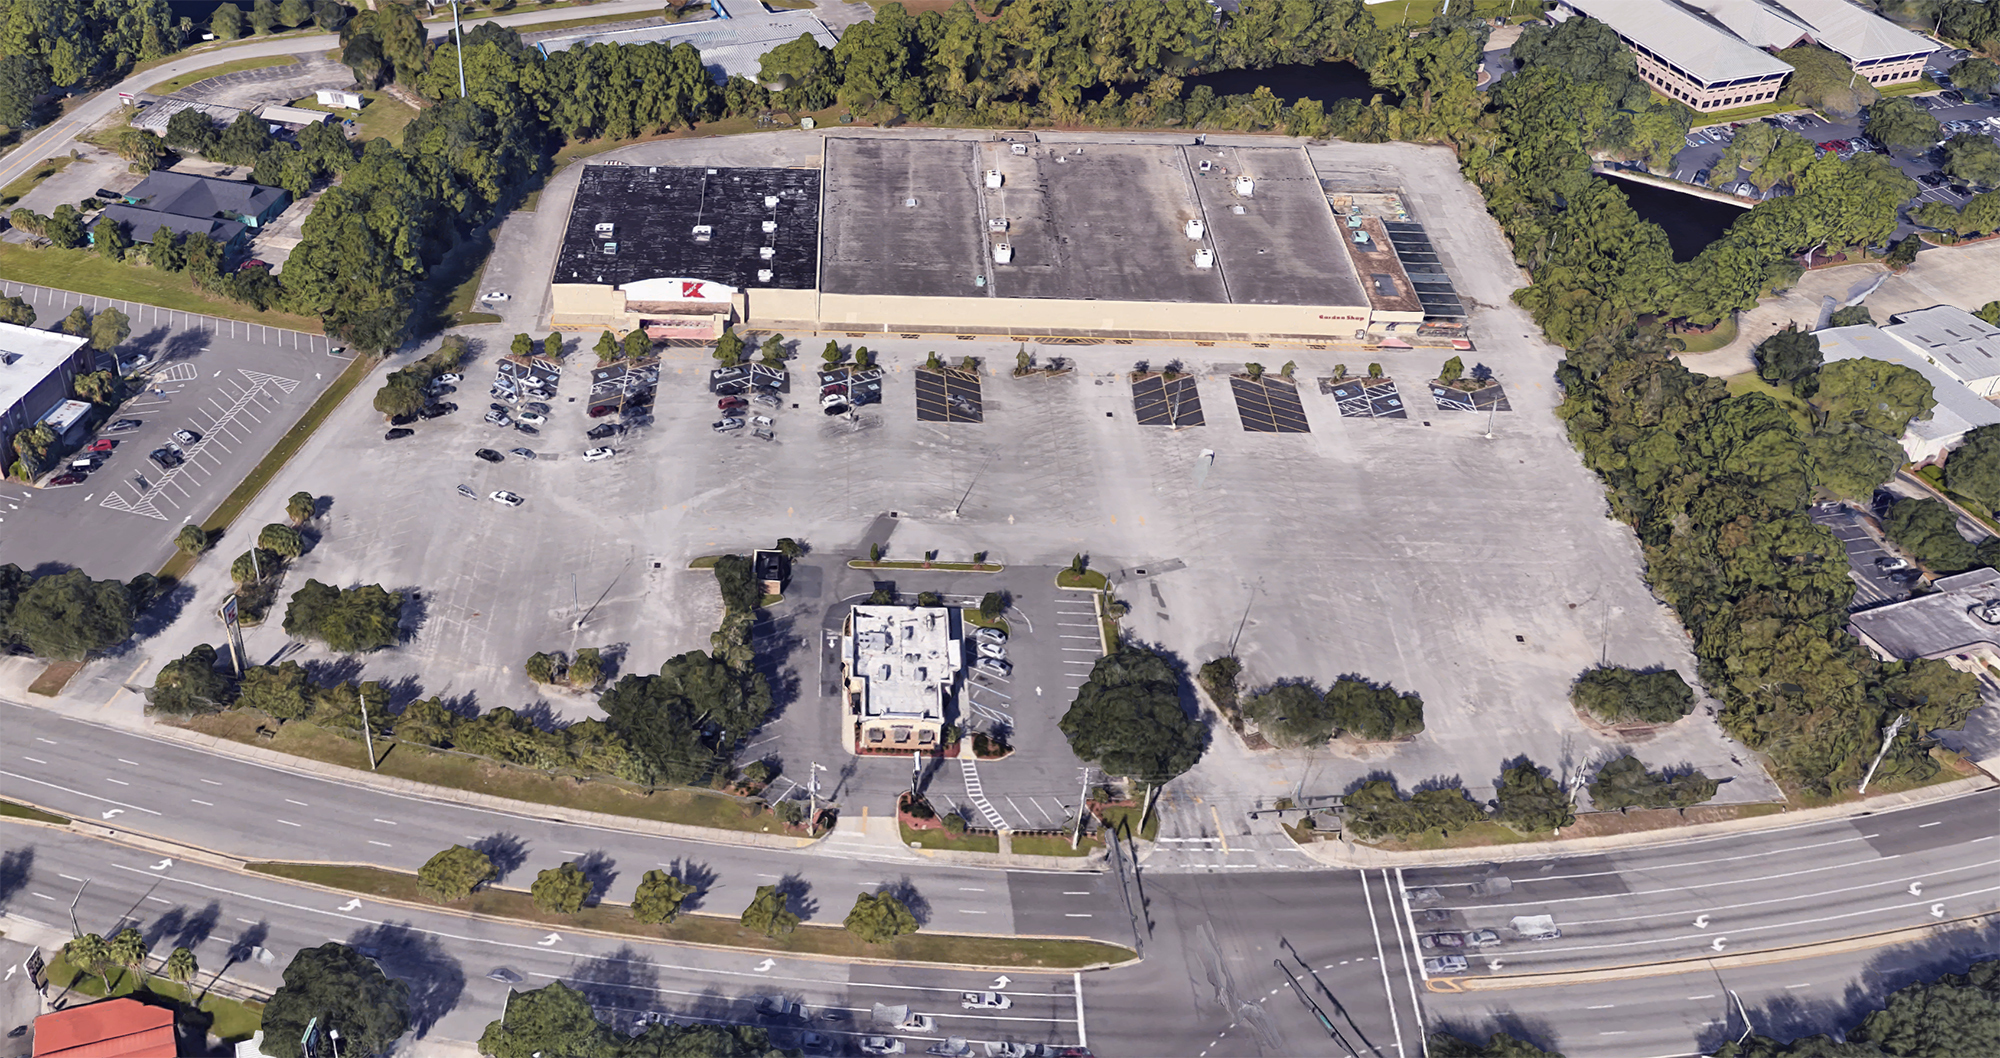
450 377
504 975
531 418
1481 938
102 446
995 666
398 434
985 1001
123 425
1444 940
71 478
780 1007
596 454
508 396
1907 576
1006 1049
603 430
521 427
1891 563
498 296
466 491
187 437
833 403
502 408
538 393
881 1045
508 498
726 425
524 453
1434 914
489 455
990 649
1446 964
602 410
918 1023
991 635
134 361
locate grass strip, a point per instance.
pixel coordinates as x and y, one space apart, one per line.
946 841
1050 845
234 1019
700 928
684 806
1119 818
1089 578
955 567
89 272
54 678
13 811
273 461
19 189
175 84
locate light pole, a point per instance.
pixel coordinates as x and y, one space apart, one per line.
1888 736
366 734
74 929
812 792
460 31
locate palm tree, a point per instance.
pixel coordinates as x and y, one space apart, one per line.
88 954
181 966
127 949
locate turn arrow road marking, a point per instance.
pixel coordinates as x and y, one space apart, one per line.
1937 910
550 939
351 905
765 966
1001 982
1701 922
1717 943
161 866
109 812
1916 888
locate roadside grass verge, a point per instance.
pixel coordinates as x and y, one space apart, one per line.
175 84
273 461
978 620
945 840
14 811
19 189
233 1019
954 567
720 930
88 272
54 678
1121 818
418 764
1050 845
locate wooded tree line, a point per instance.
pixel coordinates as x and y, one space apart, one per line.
68 616
1956 1014
1716 488
46 44
1526 799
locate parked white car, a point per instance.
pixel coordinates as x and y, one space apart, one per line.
508 498
596 454
985 1001
531 418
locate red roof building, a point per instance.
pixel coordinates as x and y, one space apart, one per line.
110 1028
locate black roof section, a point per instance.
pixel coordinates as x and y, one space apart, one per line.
654 210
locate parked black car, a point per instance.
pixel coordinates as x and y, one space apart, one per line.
489 455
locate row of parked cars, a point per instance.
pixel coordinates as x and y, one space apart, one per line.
990 646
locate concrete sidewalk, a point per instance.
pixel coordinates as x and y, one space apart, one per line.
1350 855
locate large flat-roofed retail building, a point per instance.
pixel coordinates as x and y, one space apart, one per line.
1006 236
38 372
900 664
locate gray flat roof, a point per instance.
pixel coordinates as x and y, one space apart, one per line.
1964 345
27 356
1958 409
1936 624
1092 221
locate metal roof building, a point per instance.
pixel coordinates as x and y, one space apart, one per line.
38 370
1958 409
1960 344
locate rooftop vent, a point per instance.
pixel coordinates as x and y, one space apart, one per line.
1206 166
763 275
605 229
1204 258
770 202
766 252
1195 228
994 179
1237 209
1988 611
702 232
770 226
711 172
1245 186
997 224
1002 253
1361 238
909 203
611 249
1020 148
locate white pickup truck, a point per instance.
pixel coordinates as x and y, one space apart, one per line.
986 1001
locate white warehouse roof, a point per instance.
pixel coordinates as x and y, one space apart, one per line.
1700 48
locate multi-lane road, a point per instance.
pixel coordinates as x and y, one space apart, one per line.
1299 961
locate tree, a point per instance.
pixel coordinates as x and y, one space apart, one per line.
729 349
1127 717
992 605
454 873
331 15
295 13
607 347
227 22
879 917
1928 529
773 351
1452 371
1498 1045
552 347
1901 124
65 228
1850 461
1973 157
1977 74
551 1020
1618 695
1375 810
190 685
109 329
192 539
638 344
1874 393
523 346
1850 316
1254 371
543 667
23 82
301 507
263 16
90 955
282 540
190 129
767 913
77 323
182 966
1973 470
1625 783
110 239
587 671
126 949
1530 802
1292 714
831 354
560 890
659 897
1788 355
1824 81
68 616
1373 711
354 620
140 147
16 311
336 985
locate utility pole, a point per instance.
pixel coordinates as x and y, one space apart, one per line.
365 733
1082 806
1888 736
74 929
916 769
812 793
459 29
1745 1013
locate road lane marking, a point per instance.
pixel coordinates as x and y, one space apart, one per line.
133 763
964 911
1934 823
79 793
1395 1022
962 889
1794 897
384 844
390 822
301 804
1808 984
69 878
199 801
1697 999
50 741
1076 892
44 896
1076 914
211 782
158 900
1605 1006
120 782
37 760
288 822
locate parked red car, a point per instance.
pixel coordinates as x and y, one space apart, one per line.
602 410
104 444
731 404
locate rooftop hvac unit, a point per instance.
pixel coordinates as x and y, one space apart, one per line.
1204 258
1354 220
770 226
1361 238
1020 148
1206 166
1245 186
605 228
766 252
770 202
611 249
1988 611
1195 228
763 275
653 169
702 232
1002 253
997 224
993 179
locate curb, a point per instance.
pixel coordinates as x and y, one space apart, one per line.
1766 957
1350 856
524 809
